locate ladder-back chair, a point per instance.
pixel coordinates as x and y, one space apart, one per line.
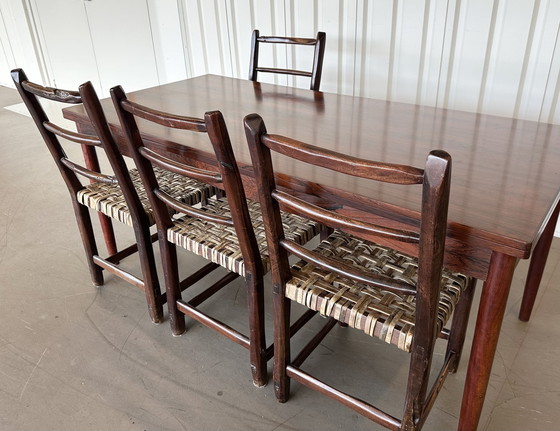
118 195
352 278
227 231
319 51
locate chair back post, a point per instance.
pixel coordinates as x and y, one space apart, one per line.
318 56
262 167
134 142
254 56
433 229
116 160
40 117
219 137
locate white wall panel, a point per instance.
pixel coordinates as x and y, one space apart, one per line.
507 57
18 40
122 40
69 61
206 37
337 20
467 60
374 48
543 38
165 25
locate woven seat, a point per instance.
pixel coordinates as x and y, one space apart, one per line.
219 243
109 199
378 313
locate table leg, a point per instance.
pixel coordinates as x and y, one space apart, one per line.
488 324
536 267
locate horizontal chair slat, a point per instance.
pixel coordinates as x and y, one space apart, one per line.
284 71
50 93
181 169
88 173
290 40
70 135
193 212
386 172
336 220
164 119
334 265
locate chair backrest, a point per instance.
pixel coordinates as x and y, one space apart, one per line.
319 52
435 181
226 176
73 171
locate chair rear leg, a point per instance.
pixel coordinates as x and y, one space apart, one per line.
172 285
459 324
83 219
281 345
257 338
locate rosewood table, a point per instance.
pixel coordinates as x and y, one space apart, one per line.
505 180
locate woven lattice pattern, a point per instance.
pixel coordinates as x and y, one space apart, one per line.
219 243
108 198
378 313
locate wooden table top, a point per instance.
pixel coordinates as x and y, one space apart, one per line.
505 175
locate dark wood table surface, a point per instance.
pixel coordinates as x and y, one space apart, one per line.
505 175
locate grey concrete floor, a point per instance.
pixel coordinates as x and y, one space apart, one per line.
76 357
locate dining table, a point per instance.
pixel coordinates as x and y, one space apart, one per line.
505 185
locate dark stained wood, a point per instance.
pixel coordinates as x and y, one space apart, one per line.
435 180
318 54
72 171
504 185
489 322
226 175
495 156
536 267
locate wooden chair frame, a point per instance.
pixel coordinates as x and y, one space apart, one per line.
71 171
435 182
227 178
319 52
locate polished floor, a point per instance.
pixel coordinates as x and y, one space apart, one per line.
76 357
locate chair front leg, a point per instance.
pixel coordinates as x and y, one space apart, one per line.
172 285
149 274
282 307
257 338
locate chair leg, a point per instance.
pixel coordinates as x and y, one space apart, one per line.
83 219
422 352
281 346
257 349
536 267
149 274
172 285
459 324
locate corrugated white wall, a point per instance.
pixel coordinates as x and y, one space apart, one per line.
500 57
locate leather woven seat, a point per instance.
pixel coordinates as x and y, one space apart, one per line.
378 313
109 199
219 243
